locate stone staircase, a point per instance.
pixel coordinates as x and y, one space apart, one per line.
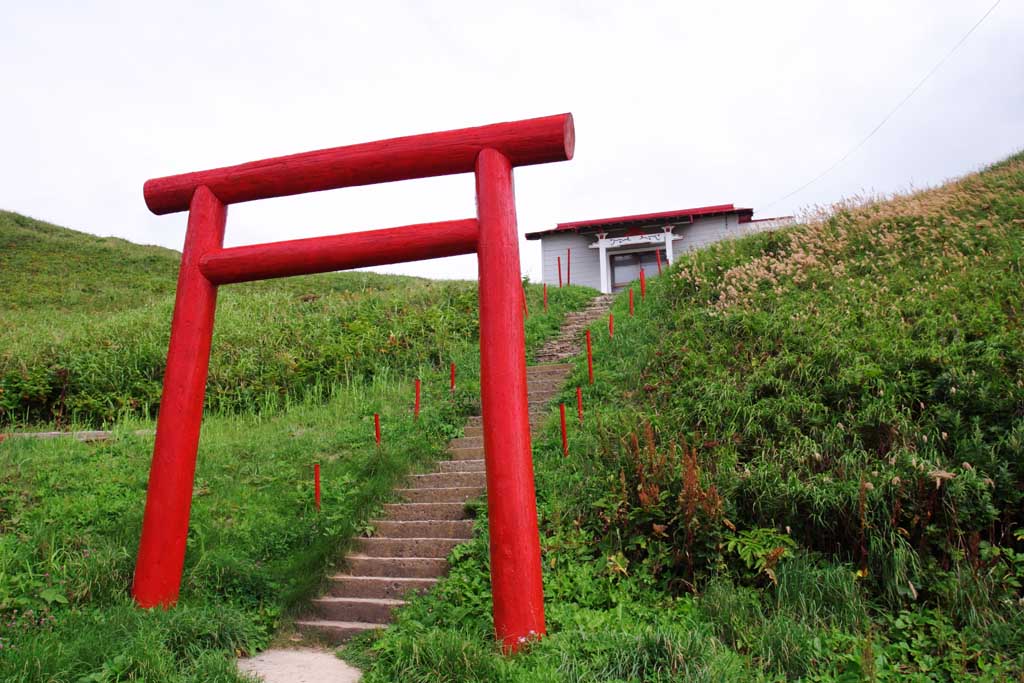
407 552
568 342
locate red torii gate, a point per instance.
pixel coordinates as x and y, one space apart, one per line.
491 152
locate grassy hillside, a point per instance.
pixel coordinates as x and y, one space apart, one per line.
300 367
44 266
48 269
87 320
803 459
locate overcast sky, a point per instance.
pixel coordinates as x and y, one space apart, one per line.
677 104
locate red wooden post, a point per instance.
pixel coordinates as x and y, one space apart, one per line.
559 272
643 284
565 435
511 503
658 255
611 325
590 359
376 428
545 297
630 302
452 379
579 404
169 494
416 407
316 486
568 266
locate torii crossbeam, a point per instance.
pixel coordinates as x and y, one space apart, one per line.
490 152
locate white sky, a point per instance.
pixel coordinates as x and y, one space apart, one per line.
677 104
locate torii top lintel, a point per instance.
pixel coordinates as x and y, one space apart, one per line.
531 141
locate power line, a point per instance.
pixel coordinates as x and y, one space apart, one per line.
888 116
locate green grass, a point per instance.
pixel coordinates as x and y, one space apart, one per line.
82 345
72 515
803 459
87 319
295 380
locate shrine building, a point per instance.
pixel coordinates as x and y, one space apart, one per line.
608 253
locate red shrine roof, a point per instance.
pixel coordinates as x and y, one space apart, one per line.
664 217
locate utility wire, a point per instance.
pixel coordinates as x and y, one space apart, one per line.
891 112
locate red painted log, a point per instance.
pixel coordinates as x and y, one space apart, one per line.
590 359
611 325
630 302
579 404
643 285
340 252
416 407
452 380
316 486
512 507
169 495
658 255
376 428
559 272
565 434
545 297
531 141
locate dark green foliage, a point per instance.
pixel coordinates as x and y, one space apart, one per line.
294 381
805 454
87 321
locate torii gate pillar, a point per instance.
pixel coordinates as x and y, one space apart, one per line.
490 152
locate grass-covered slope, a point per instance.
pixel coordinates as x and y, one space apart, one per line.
87 320
44 266
803 458
300 367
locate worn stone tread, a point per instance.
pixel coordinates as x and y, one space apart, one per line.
416 533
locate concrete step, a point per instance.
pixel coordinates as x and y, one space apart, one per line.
477 421
424 511
454 494
346 586
407 547
335 632
473 432
432 528
545 377
547 369
443 480
367 610
467 442
461 465
542 385
398 567
462 454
